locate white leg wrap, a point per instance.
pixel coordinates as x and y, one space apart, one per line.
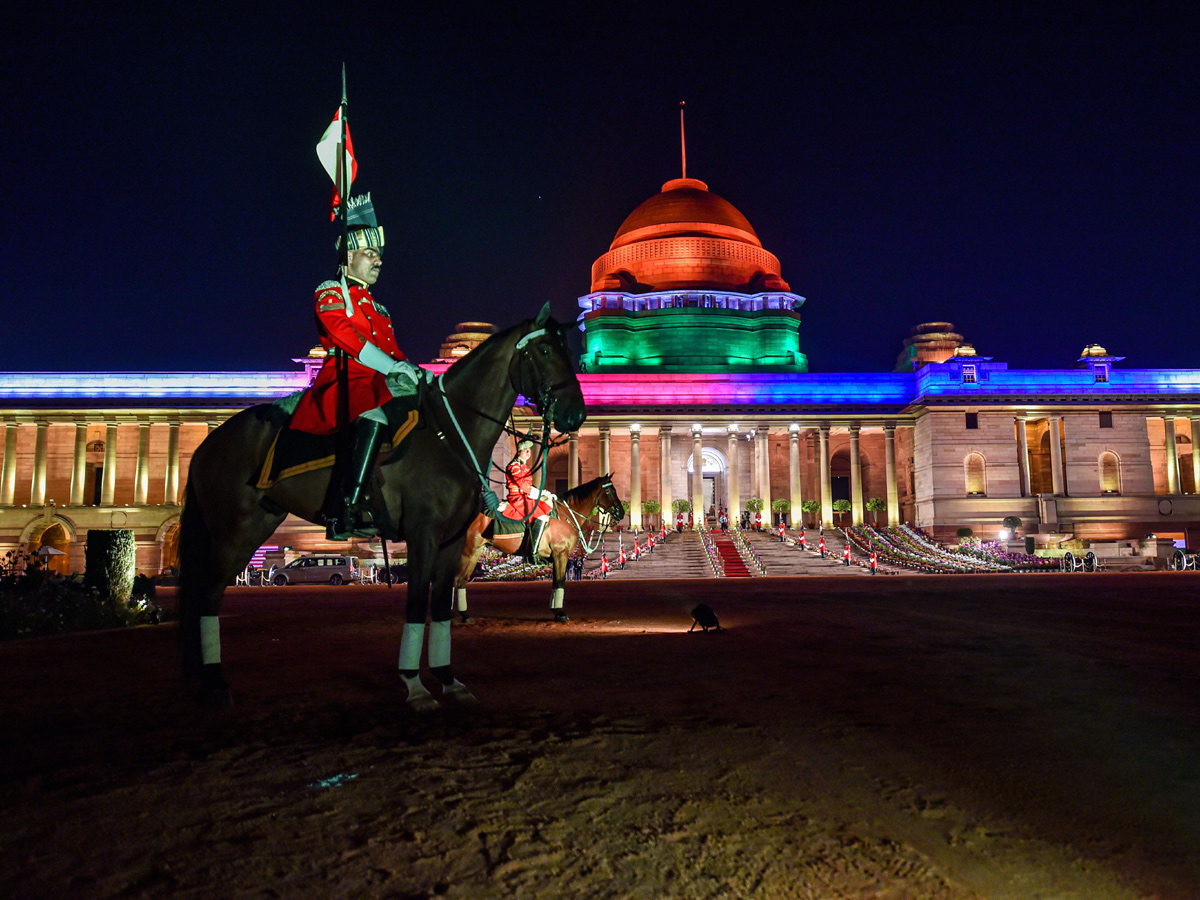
439 644
557 601
210 639
410 646
461 599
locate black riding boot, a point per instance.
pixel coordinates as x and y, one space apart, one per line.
367 437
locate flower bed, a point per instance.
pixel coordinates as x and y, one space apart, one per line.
902 547
745 548
710 550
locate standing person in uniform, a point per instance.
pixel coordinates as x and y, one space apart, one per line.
356 332
783 532
874 563
846 554
822 547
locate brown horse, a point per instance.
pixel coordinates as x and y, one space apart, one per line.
581 515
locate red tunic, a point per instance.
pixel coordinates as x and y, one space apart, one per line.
520 479
369 323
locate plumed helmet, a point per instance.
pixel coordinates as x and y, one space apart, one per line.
362 230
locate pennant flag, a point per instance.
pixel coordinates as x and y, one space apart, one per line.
327 153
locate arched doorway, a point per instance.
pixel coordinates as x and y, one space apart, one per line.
53 548
839 475
713 471
170 549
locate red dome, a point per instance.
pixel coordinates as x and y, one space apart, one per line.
687 238
685 206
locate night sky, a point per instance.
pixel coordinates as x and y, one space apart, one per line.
1030 176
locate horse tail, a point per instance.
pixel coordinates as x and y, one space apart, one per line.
195 555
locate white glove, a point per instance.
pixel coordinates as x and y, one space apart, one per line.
374 358
402 369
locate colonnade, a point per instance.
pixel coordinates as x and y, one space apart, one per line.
759 437
108 484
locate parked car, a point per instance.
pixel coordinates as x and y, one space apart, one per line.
318 569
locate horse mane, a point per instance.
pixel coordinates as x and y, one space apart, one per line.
580 491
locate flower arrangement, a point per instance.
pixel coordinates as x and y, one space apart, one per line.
710 550
746 549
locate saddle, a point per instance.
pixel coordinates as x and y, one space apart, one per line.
294 452
533 530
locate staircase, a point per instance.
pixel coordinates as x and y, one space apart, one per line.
681 556
789 559
730 558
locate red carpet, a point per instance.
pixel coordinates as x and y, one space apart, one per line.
734 567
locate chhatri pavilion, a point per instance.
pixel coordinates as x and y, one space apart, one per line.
696 389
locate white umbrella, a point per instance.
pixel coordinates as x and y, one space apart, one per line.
49 551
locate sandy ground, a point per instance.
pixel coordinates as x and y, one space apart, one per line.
951 737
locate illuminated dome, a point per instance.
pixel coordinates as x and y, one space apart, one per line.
466 337
687 238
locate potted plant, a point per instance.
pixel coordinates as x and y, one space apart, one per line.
781 508
651 508
813 508
841 507
874 505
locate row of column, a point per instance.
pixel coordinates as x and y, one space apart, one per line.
760 468
1057 469
1174 482
108 487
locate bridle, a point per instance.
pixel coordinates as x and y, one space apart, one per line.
531 354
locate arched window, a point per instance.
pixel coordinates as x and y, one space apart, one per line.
1110 473
976 474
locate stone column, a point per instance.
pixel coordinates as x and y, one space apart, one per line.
141 478
893 489
573 460
1023 458
8 481
37 494
1196 454
171 490
697 475
735 496
826 484
796 498
665 471
763 439
1172 456
108 487
1056 460
79 464
605 468
635 476
856 499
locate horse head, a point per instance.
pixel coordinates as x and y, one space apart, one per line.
542 372
612 510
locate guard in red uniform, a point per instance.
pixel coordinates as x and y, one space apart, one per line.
356 332
663 534
846 554
822 546
604 565
758 521
637 549
803 539
783 534
650 541
524 500
874 563
621 557
679 522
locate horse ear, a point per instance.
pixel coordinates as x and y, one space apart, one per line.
542 316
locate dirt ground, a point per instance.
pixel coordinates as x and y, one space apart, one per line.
941 737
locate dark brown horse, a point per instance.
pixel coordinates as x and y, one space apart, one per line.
432 495
581 515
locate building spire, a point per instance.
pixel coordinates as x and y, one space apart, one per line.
682 139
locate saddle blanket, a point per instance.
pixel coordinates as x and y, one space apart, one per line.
295 452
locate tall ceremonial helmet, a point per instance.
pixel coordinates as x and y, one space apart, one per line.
362 230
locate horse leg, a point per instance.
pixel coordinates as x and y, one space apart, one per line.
560 551
210 556
453 691
466 565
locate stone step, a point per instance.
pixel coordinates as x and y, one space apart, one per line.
681 556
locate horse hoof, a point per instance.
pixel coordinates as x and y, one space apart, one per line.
216 698
457 695
423 703
562 618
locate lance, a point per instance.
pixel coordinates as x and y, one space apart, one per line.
343 365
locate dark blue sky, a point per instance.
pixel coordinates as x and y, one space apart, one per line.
1029 175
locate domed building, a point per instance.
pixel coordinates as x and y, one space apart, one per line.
687 286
